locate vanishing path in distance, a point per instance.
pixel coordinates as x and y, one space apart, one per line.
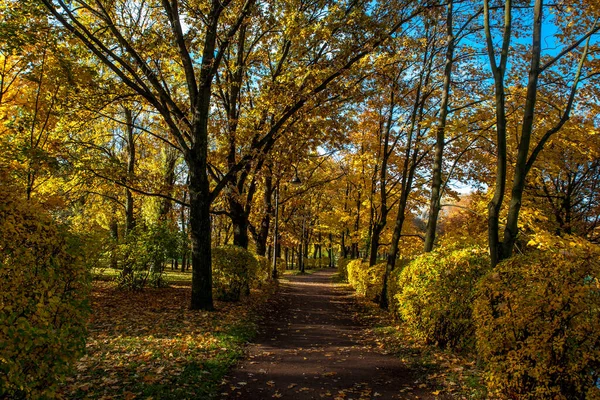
311 346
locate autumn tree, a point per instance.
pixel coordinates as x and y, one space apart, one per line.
575 41
137 42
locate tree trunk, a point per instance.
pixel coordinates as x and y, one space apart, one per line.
263 233
129 216
239 219
200 229
498 72
436 180
511 230
375 238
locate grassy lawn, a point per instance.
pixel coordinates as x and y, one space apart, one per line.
148 344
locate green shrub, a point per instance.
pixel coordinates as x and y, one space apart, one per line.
538 324
367 281
435 295
235 270
43 299
143 255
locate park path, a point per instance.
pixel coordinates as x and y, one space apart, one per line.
311 346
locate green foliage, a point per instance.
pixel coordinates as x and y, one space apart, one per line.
538 323
235 269
143 255
435 295
367 281
43 299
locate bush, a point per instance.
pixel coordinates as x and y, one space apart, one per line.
143 255
265 269
235 269
538 324
367 281
43 299
342 268
435 294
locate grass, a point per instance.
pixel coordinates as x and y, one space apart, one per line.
148 344
170 276
295 272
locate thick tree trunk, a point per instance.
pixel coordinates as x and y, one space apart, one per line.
239 219
200 232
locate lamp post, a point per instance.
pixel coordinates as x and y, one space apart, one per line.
274 271
301 255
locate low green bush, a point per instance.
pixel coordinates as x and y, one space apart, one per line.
435 294
143 254
538 323
235 270
44 285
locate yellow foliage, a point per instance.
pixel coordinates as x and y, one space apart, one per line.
538 323
367 281
435 295
265 269
342 267
43 299
234 270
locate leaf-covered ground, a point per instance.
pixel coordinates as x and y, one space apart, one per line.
455 375
319 341
148 344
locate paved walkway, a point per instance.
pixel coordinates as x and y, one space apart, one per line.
311 346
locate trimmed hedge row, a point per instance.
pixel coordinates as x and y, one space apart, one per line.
534 320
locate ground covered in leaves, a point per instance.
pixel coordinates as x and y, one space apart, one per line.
452 375
319 341
148 344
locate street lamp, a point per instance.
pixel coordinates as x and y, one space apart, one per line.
296 182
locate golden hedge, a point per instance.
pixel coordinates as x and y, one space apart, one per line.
435 295
538 324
